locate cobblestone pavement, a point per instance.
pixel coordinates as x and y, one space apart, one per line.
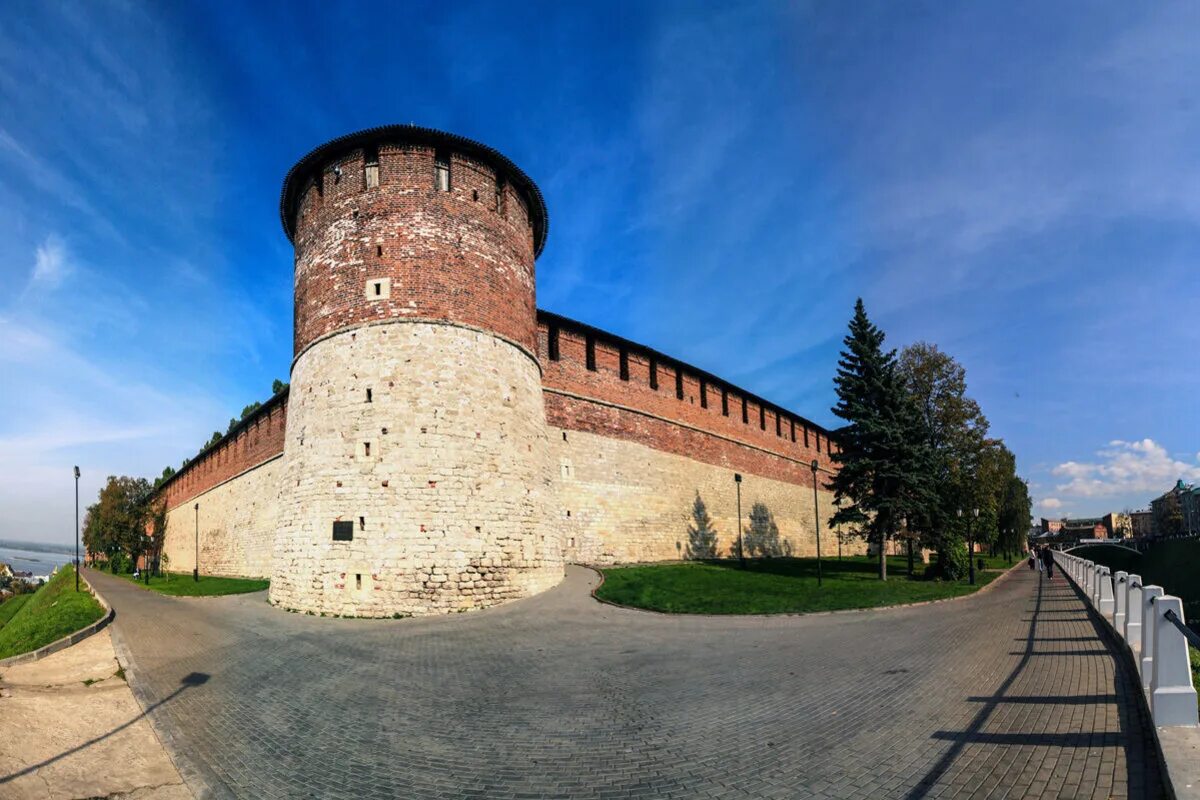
1011 693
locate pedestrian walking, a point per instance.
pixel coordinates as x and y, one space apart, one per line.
1037 556
1032 559
1048 560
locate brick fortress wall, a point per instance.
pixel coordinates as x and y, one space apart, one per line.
636 435
236 484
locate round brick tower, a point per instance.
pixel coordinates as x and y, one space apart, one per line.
414 472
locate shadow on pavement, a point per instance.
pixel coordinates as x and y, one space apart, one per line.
189 680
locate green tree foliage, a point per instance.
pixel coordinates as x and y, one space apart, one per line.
972 471
115 525
702 535
167 473
885 469
761 538
250 409
1015 510
278 386
955 429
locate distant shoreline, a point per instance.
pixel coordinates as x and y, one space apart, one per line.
37 547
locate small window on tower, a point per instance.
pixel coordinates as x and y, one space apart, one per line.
624 365
441 170
366 448
703 394
501 202
678 383
371 167
368 395
793 424
591 352
745 412
818 441
552 342
724 403
654 374
806 437
379 288
343 531
762 418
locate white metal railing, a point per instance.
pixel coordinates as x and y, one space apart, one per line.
1150 623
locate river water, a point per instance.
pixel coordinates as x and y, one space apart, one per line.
39 563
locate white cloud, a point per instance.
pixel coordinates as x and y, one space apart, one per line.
1123 467
1050 503
50 264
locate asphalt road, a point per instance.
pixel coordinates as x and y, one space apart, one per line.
1011 693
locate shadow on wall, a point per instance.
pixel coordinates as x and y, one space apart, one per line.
760 538
702 536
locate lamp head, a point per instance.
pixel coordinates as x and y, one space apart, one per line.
77 473
197 506
960 513
814 465
737 477
975 511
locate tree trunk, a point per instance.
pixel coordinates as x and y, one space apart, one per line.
882 554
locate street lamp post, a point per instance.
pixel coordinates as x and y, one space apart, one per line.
77 529
737 479
196 569
817 519
970 543
838 502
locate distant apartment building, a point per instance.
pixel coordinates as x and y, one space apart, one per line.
1142 523
1176 512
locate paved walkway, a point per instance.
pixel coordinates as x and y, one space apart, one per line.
1012 693
70 728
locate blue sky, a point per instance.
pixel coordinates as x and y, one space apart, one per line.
1016 182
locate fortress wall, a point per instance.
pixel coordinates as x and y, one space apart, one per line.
683 394
621 500
254 440
236 525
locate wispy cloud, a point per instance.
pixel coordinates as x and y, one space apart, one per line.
50 265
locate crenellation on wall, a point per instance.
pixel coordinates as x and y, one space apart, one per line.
569 373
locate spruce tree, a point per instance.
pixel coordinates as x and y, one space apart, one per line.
884 458
702 536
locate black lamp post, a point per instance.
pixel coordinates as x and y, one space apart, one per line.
817 519
970 543
196 570
838 502
77 529
737 479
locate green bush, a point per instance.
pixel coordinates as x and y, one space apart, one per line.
951 564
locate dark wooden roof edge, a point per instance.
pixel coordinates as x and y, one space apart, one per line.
550 318
295 181
262 411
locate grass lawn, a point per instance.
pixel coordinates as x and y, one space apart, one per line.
774 586
11 606
51 613
1000 562
179 584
